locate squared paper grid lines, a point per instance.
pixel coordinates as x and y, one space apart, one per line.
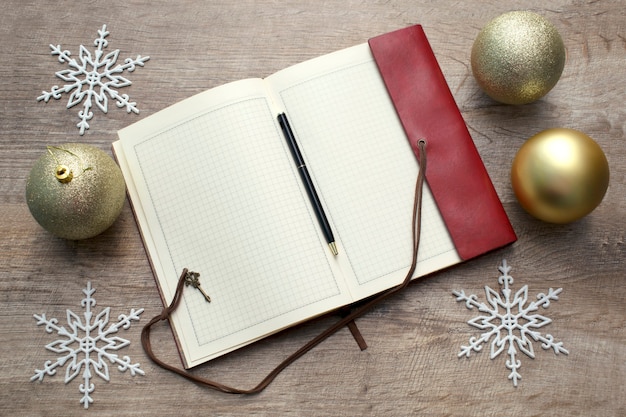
367 162
232 191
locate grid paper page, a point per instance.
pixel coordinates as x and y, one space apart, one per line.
229 206
357 152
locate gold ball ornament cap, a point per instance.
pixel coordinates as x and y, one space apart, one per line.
560 175
75 191
518 57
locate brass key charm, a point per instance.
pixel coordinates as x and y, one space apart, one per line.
193 279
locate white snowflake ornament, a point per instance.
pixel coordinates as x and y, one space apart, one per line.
510 321
87 351
92 78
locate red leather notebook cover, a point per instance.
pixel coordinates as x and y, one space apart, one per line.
456 175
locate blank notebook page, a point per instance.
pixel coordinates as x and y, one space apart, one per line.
358 154
226 197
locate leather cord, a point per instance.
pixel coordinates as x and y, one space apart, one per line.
346 320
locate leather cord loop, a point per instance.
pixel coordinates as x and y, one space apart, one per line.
346 320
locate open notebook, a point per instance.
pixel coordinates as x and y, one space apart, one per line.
215 189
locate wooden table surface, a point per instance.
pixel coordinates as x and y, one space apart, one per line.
411 366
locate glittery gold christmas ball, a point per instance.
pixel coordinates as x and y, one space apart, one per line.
75 191
560 175
518 57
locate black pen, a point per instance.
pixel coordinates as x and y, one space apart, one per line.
308 184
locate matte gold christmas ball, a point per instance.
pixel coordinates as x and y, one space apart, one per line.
75 191
560 175
518 57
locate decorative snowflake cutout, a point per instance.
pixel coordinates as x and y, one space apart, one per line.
92 79
95 343
504 316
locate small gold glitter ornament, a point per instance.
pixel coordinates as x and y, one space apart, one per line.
560 175
518 57
75 191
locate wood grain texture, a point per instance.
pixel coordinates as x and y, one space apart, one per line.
411 365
